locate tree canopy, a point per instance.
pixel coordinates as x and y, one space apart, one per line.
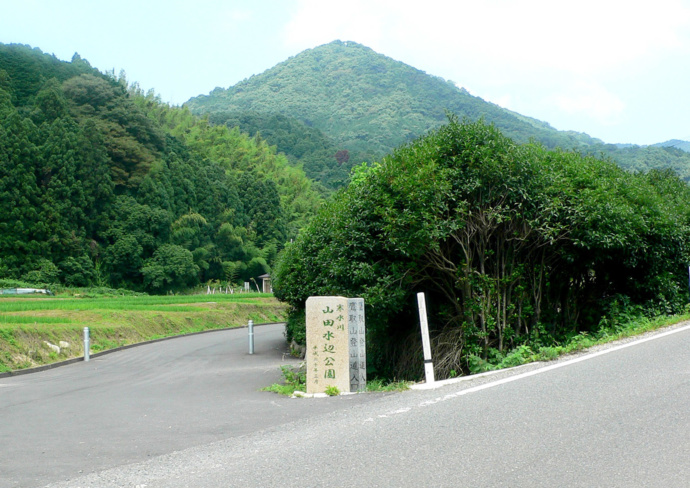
305 147
511 243
102 184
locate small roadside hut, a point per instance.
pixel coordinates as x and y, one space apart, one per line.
266 286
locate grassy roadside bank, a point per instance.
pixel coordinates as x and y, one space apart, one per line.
625 328
35 331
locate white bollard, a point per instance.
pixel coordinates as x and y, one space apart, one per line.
251 337
426 344
86 344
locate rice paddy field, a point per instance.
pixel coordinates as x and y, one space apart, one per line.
39 330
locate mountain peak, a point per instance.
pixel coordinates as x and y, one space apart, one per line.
369 103
362 99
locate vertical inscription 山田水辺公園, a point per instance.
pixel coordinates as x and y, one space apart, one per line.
336 344
327 344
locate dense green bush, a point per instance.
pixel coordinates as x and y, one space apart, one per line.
511 243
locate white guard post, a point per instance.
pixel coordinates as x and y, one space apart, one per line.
87 342
426 344
250 326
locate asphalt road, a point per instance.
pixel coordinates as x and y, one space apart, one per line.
144 402
617 418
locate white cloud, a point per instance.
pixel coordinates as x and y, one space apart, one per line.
566 61
578 37
504 101
591 99
318 22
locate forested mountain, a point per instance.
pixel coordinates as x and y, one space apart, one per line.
304 146
684 145
101 184
369 104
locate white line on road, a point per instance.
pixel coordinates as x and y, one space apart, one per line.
551 367
516 377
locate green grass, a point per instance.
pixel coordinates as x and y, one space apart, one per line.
26 323
139 303
379 384
28 319
524 354
295 379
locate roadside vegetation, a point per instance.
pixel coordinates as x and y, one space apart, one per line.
523 252
626 326
38 330
295 381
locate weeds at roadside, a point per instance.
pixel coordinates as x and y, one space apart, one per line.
380 385
525 354
295 380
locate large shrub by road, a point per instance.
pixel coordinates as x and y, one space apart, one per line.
511 243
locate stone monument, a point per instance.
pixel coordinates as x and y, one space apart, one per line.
358 344
336 345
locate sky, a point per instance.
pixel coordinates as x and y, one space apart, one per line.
618 70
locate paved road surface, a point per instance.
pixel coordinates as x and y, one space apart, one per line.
143 402
618 419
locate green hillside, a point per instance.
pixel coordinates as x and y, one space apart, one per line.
365 101
684 145
304 146
102 184
369 104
